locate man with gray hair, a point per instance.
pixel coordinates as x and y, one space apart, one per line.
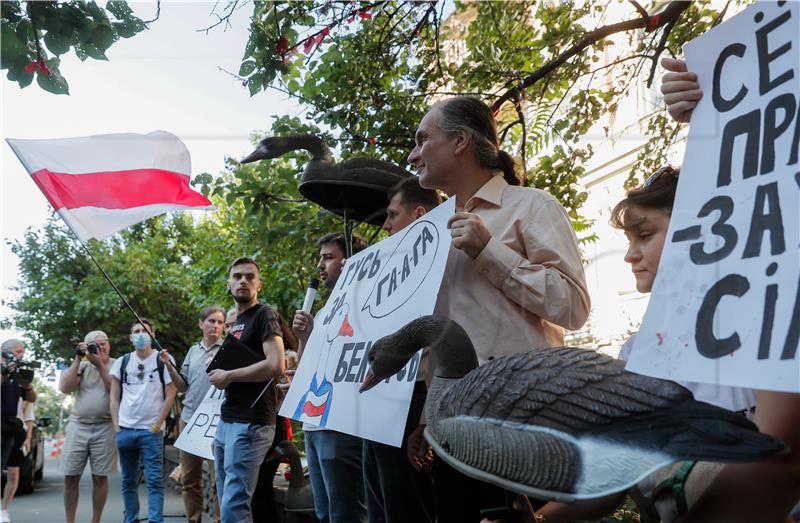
90 433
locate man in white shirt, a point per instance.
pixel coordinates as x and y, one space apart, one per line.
142 394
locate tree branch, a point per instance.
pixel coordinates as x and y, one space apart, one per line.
225 18
158 13
657 54
669 14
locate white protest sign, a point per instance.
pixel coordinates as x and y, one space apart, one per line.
380 289
198 436
725 306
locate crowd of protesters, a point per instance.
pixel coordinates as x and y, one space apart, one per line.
514 253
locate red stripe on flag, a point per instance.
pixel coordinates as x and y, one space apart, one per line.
118 189
309 409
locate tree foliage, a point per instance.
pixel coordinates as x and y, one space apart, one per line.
29 31
367 71
62 295
48 404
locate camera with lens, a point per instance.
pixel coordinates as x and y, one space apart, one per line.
91 347
19 370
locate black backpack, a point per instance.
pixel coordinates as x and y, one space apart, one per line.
172 419
123 374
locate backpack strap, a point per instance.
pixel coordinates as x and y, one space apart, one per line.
123 373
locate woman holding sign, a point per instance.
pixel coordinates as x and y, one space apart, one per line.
761 492
757 492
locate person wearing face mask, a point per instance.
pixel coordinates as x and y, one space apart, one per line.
90 433
142 394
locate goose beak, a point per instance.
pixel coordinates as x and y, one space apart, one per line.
370 380
254 156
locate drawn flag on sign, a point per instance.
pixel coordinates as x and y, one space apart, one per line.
102 184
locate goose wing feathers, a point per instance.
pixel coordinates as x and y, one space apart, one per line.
584 393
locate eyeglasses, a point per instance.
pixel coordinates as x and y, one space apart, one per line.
667 169
140 375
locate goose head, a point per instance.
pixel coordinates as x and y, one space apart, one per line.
275 146
268 148
452 352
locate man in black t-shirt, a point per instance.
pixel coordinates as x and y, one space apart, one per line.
247 422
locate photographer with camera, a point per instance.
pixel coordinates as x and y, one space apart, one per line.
90 433
16 387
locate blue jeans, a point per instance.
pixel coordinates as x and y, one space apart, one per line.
239 450
334 465
133 443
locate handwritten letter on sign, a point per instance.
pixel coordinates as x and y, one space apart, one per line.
198 436
379 290
725 306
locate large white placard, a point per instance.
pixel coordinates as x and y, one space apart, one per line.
380 289
198 436
725 306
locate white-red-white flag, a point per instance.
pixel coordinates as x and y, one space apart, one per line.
102 184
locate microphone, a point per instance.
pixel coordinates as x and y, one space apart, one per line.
311 295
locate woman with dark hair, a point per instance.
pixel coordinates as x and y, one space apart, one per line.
767 491
514 278
644 215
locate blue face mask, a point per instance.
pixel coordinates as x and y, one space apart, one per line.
141 340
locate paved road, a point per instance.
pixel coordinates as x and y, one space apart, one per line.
46 504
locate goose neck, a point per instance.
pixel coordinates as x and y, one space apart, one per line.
313 144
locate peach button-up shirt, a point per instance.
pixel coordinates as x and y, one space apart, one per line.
528 282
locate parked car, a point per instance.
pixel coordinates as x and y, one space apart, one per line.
32 468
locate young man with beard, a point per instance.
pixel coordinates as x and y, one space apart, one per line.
334 458
247 416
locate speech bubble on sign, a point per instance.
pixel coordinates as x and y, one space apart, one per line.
404 271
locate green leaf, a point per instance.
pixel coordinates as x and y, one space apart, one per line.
58 44
247 68
91 51
10 11
119 9
254 83
17 73
53 82
126 29
102 37
11 46
24 30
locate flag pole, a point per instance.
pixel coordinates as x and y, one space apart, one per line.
119 293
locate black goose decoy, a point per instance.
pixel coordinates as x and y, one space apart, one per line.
559 423
356 187
298 495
